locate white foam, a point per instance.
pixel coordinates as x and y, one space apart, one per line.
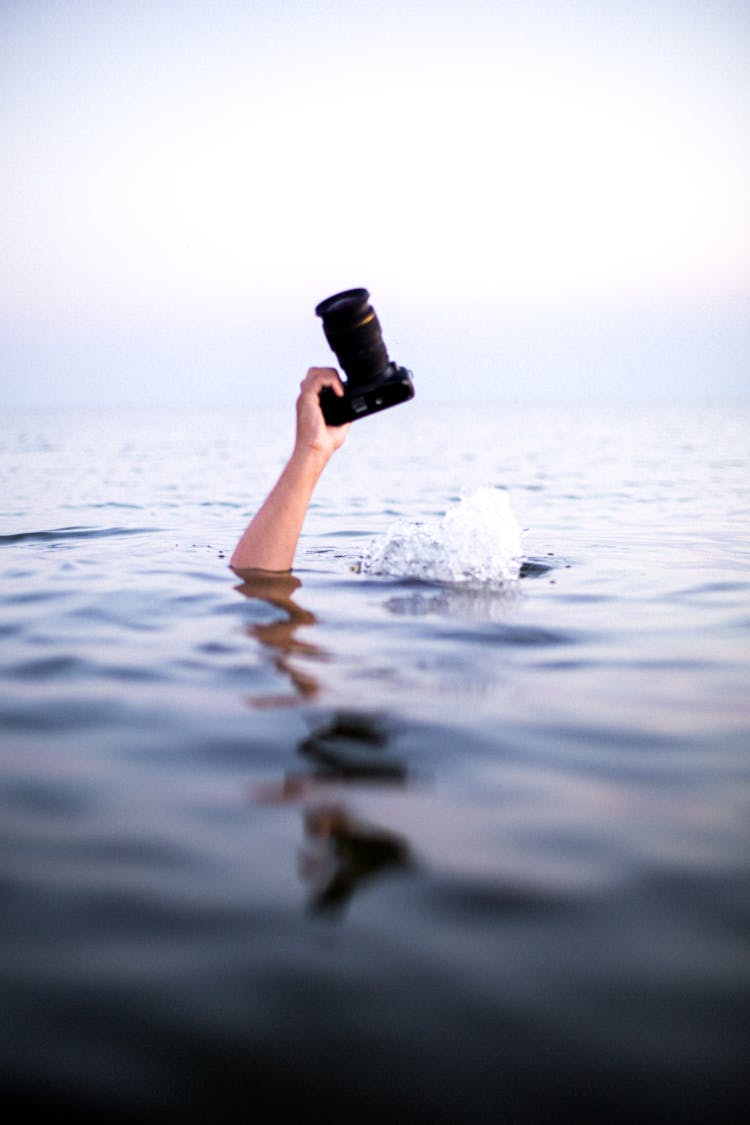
477 543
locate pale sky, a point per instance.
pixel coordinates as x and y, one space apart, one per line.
546 199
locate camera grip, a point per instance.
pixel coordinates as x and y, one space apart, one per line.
359 402
336 411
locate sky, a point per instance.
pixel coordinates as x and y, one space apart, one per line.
548 200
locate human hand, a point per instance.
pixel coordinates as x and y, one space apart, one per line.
313 434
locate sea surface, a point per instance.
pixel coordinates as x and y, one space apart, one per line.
381 842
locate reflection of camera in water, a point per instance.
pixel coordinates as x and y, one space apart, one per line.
373 381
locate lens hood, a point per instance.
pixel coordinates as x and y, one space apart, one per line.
373 381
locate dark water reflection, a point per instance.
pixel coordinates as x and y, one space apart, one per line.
341 851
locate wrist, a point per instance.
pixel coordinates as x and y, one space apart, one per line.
310 458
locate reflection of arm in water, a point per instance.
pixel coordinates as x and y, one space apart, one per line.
280 636
270 540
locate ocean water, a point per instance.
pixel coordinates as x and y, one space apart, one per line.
452 826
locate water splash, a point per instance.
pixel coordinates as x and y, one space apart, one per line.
476 543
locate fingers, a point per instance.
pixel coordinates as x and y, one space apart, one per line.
319 377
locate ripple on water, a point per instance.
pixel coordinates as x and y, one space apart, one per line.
63 534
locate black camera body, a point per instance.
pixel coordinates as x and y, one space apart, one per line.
373 381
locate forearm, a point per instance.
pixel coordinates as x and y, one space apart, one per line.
270 540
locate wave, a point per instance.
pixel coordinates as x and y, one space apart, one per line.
52 535
478 542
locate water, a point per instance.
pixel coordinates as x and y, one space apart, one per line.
362 844
476 543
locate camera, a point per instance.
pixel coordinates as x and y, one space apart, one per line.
373 381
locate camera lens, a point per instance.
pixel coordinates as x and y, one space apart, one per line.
353 331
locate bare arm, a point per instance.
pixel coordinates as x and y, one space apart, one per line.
270 540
